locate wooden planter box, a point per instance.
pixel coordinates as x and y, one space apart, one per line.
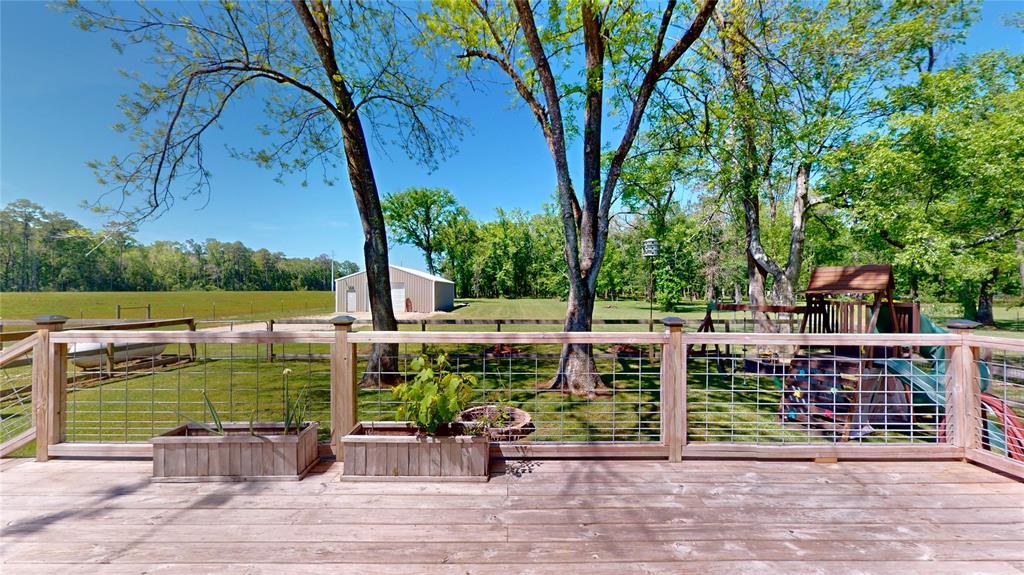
191 453
394 452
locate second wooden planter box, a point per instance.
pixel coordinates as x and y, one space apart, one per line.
191 453
395 452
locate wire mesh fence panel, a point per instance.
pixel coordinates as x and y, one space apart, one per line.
623 403
15 399
824 394
1001 383
144 391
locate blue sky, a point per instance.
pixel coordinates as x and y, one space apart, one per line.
59 87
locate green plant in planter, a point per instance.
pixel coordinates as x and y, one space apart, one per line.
294 411
435 396
217 428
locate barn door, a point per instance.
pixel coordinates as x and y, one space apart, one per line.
350 300
398 297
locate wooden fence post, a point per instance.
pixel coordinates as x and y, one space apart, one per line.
423 346
963 401
673 390
344 395
270 346
193 354
49 385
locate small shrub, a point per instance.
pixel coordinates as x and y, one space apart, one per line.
435 396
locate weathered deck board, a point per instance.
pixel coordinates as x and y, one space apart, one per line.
795 567
597 517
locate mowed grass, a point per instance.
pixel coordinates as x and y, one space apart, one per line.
197 304
1009 318
528 308
223 305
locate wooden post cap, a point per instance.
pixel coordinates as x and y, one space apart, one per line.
50 319
672 321
342 320
962 324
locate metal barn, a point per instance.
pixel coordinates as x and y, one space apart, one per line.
411 290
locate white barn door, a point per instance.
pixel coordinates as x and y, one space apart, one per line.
350 300
398 297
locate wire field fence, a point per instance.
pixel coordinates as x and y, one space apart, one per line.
164 387
624 405
665 393
152 388
822 393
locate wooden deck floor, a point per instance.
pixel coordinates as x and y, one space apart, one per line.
558 517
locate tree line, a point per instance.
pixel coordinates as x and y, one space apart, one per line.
47 251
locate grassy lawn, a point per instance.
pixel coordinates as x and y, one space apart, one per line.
198 304
555 309
1009 320
262 305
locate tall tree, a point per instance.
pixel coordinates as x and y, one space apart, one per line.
416 217
322 70
782 86
458 241
625 47
940 182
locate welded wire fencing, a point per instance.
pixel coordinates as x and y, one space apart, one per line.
719 389
151 388
763 393
1000 369
617 400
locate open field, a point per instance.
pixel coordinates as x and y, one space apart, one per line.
263 305
198 304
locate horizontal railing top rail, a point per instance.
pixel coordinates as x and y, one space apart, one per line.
96 324
1004 343
559 337
124 336
19 349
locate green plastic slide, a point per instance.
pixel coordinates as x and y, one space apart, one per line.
928 387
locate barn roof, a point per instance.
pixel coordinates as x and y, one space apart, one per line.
851 279
425 275
419 273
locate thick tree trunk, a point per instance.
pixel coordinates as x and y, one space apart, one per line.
586 227
759 263
755 296
382 366
784 284
577 372
983 314
428 252
1020 254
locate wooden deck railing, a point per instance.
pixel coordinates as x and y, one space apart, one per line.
707 404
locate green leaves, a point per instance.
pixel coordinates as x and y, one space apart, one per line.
435 396
941 183
419 217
